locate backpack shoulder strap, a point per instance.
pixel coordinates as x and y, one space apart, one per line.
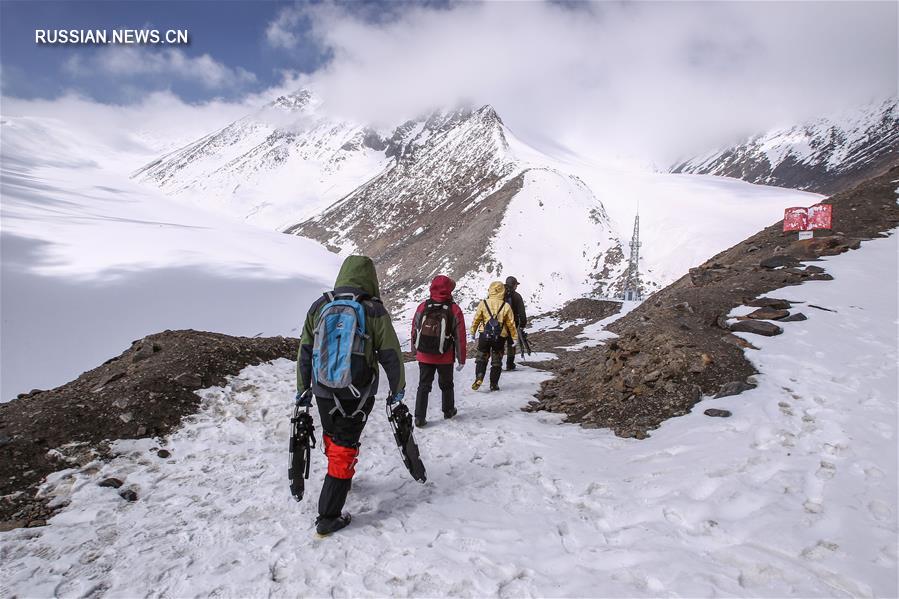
486 305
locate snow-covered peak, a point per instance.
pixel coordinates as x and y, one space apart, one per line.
296 101
824 155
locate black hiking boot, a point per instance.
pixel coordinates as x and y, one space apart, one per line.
494 387
510 366
450 414
326 526
420 422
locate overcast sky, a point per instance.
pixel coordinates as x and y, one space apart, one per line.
653 79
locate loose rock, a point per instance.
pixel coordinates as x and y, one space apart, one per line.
716 413
794 317
147 348
768 314
757 327
733 388
113 483
778 261
770 302
128 494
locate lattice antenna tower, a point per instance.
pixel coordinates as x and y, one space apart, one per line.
632 281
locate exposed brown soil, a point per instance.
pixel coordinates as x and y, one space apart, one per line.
676 346
144 392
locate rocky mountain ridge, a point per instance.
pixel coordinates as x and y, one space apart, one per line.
441 193
826 155
449 204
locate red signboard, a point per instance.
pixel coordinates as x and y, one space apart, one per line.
819 216
814 217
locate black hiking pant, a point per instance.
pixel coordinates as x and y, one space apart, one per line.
340 439
494 351
426 381
510 353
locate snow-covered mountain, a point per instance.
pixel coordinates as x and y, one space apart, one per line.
457 200
432 195
825 155
455 192
283 161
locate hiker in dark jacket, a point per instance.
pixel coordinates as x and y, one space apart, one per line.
438 335
344 412
513 298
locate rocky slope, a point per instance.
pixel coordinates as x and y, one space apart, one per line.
678 346
144 392
826 156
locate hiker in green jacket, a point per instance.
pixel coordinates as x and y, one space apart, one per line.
344 408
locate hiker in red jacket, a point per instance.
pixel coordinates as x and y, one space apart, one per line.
438 336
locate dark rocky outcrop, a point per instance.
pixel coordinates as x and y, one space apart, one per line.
144 392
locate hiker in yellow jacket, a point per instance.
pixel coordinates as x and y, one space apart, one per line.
493 323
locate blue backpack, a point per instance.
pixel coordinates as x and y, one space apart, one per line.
339 336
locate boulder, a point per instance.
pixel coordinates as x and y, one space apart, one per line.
756 327
716 413
128 494
769 302
779 261
147 348
733 388
113 483
794 317
768 314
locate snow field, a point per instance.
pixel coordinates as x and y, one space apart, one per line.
93 261
553 237
684 219
794 495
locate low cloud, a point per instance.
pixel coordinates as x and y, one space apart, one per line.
135 62
135 133
281 32
656 80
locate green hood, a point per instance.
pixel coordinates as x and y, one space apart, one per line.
359 272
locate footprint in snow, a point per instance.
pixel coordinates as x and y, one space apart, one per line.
826 471
880 510
819 551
